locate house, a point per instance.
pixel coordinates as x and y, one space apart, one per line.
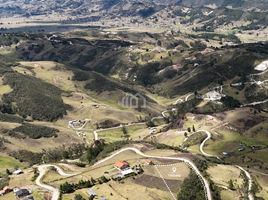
127 172
28 198
21 193
121 165
207 50
17 172
149 162
91 193
191 58
5 190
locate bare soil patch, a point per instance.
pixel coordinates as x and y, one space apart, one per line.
155 182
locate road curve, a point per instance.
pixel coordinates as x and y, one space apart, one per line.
42 171
202 144
247 174
250 197
205 182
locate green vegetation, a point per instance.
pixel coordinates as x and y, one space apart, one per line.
35 131
33 97
191 188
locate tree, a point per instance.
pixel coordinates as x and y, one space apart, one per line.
185 134
78 197
193 128
231 185
93 181
124 130
8 172
66 187
189 129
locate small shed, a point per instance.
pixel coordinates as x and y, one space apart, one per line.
91 193
17 172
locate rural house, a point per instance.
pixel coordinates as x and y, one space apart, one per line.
91 193
21 193
121 165
149 162
17 172
5 190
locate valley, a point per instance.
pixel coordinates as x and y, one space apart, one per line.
133 100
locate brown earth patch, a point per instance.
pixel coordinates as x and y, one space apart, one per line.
155 182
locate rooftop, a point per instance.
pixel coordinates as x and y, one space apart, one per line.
120 164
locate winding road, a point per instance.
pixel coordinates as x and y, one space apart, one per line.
205 182
42 171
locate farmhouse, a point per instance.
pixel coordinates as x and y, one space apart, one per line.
21 193
207 50
127 172
149 162
5 190
121 165
17 172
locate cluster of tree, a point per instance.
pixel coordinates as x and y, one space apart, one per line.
198 45
194 139
78 197
69 188
28 156
36 174
36 131
2 139
76 150
186 106
94 150
34 97
4 117
230 102
191 188
14 134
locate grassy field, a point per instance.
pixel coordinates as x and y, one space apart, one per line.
9 163
22 179
221 174
51 175
116 134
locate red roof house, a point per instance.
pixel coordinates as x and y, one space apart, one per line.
149 162
121 165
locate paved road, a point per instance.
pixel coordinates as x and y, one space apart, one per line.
42 170
208 192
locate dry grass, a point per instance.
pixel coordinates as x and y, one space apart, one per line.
221 174
22 179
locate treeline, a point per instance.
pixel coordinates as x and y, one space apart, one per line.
187 106
4 117
36 131
76 150
69 188
94 150
27 156
191 188
202 166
